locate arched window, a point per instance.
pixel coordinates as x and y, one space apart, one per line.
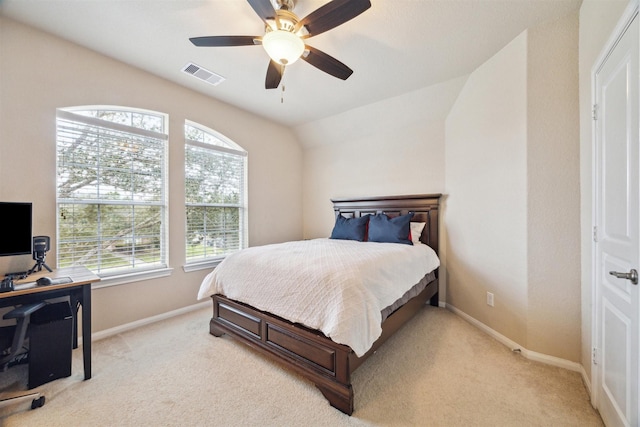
215 196
111 189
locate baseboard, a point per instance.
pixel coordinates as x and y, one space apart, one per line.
532 355
586 380
146 321
514 346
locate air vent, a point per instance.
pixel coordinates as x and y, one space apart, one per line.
202 74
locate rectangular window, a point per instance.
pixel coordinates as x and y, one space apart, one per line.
111 190
215 170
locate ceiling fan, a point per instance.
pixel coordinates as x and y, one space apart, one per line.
285 34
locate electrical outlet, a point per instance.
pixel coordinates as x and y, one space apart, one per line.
490 299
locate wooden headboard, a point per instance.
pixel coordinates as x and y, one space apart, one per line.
424 206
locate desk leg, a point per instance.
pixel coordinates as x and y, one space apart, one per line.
86 330
75 305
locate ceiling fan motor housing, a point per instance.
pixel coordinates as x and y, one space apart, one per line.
286 21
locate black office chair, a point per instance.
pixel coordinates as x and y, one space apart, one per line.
14 347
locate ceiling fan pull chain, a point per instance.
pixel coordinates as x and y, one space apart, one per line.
282 96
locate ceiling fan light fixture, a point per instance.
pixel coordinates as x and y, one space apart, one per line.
282 46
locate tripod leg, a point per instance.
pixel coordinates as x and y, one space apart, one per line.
47 267
33 269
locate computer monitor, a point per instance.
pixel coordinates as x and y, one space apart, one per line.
15 218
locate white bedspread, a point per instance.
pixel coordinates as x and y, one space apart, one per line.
337 286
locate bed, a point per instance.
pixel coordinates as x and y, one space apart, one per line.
310 352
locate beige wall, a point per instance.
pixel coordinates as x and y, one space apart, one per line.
598 18
486 186
512 176
392 147
39 73
553 190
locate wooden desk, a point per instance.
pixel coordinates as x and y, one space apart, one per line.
79 293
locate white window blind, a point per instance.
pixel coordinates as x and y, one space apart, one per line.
111 190
215 195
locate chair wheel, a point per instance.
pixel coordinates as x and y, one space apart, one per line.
36 403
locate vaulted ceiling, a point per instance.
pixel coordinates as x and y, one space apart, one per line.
395 47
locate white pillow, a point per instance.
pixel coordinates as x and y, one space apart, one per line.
416 231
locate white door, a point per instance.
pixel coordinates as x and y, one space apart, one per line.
616 211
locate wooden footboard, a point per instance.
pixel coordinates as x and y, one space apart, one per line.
308 352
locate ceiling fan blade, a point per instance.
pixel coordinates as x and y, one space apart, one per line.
264 9
274 75
217 41
327 63
331 15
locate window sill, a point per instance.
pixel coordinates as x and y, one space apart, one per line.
123 279
202 265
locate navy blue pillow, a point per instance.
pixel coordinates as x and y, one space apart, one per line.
350 228
390 230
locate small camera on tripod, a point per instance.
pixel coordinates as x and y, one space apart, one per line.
41 245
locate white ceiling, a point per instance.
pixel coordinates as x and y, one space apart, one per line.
395 47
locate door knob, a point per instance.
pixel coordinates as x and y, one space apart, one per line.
631 275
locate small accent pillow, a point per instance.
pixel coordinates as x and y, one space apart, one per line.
390 230
416 231
350 228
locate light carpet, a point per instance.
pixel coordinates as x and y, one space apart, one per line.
436 371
